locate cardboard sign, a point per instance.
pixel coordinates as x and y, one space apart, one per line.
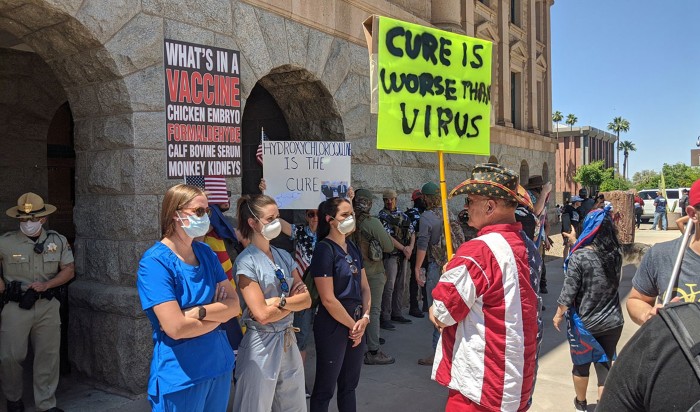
302 174
202 109
431 89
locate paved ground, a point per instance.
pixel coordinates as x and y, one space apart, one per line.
406 386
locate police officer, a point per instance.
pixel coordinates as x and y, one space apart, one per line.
35 262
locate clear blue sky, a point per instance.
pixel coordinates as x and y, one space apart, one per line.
636 59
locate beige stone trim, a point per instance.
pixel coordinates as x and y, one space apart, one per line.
339 18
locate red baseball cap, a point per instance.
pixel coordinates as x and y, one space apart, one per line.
694 195
416 195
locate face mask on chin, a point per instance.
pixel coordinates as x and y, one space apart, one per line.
30 228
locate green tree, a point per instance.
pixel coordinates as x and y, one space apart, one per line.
590 176
626 147
556 118
571 120
680 175
618 125
646 179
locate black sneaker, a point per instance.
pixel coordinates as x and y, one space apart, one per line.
580 405
385 324
416 313
16 406
401 319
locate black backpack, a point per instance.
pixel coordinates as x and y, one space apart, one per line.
683 319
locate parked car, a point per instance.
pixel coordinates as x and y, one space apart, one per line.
648 195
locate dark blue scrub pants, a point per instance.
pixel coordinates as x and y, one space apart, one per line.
336 361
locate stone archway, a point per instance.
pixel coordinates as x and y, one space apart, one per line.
524 172
105 62
545 172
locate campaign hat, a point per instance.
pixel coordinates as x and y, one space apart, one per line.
30 205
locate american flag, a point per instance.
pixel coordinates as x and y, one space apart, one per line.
215 186
259 152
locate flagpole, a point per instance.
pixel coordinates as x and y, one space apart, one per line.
445 211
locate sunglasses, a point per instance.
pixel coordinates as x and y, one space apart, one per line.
199 211
29 219
311 214
283 281
353 268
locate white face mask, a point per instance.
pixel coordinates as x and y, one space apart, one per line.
271 230
30 228
346 226
198 226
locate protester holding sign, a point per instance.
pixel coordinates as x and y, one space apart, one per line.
269 370
343 315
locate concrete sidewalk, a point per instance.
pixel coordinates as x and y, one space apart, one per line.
406 386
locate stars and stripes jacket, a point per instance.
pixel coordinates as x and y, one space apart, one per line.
486 298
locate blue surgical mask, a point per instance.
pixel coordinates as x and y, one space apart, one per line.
199 226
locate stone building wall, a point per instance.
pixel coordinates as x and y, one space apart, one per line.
108 61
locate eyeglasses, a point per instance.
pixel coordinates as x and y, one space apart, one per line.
283 281
29 219
350 261
311 214
199 211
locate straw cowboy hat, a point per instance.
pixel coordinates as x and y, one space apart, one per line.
30 205
492 180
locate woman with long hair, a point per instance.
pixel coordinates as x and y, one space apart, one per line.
269 370
187 296
343 314
591 303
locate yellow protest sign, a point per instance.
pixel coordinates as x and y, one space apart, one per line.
431 89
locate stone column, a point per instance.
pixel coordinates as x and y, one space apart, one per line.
503 115
531 99
468 24
546 16
447 14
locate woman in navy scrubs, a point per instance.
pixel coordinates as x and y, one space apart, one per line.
343 315
187 296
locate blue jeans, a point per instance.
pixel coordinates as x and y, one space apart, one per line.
432 279
664 220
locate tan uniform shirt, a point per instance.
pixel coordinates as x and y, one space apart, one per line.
20 262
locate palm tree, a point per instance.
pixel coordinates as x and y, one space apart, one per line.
556 118
618 125
626 147
571 121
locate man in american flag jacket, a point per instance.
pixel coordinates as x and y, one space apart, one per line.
486 303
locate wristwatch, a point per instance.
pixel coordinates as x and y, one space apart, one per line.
202 312
283 302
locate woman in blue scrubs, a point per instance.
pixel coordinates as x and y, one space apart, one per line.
186 296
269 370
343 315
